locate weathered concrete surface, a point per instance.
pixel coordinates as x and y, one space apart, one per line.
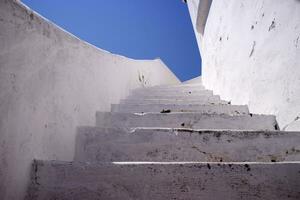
203 100
174 92
191 88
184 181
174 98
183 92
186 120
165 96
50 82
96 144
208 109
181 86
251 55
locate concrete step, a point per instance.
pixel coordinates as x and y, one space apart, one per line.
179 85
96 144
185 120
174 87
144 181
208 109
177 97
173 92
204 100
186 89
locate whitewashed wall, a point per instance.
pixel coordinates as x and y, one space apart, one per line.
51 82
251 55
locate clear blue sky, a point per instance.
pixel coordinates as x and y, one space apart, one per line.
139 29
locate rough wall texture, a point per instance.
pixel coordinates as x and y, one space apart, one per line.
51 82
251 55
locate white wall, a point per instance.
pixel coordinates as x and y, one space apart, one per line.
251 55
51 82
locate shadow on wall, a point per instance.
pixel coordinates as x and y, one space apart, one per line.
203 11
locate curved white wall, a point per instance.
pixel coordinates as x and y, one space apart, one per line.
51 82
251 55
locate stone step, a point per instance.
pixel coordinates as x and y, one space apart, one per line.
144 181
179 85
174 87
186 89
95 144
208 109
186 120
173 92
173 97
204 100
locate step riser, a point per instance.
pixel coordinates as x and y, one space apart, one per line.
146 181
162 93
106 145
172 94
182 88
185 120
178 87
172 100
210 101
209 109
177 97
166 90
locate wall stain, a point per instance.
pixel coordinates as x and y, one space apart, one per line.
253 48
292 151
31 16
297 42
247 167
273 25
35 173
13 80
165 111
276 127
141 78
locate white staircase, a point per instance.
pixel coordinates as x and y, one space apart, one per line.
175 142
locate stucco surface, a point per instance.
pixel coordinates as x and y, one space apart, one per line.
251 55
51 82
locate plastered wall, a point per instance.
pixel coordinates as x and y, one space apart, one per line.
50 83
251 55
